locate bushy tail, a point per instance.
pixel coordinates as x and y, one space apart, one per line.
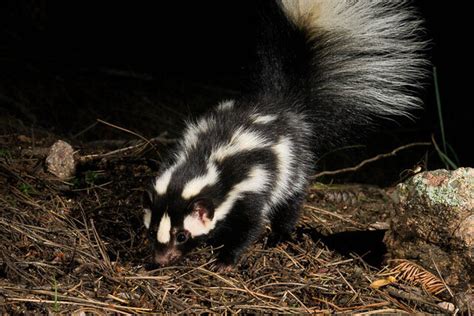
366 54
345 60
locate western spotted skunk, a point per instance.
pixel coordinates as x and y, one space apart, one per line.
326 67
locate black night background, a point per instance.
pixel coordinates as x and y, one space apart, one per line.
65 64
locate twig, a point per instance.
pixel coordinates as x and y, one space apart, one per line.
348 284
101 246
334 215
391 311
359 307
93 304
128 131
441 276
394 301
148 277
84 130
338 262
87 158
334 306
413 298
299 301
118 143
370 160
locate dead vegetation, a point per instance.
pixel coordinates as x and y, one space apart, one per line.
78 246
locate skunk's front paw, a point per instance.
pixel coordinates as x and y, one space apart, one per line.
225 262
221 267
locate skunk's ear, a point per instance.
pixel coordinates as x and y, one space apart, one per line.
199 221
203 209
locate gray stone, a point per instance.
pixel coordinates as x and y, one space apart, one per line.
60 160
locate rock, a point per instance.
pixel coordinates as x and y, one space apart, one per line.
60 160
433 224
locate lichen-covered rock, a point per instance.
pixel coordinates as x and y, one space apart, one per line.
443 187
60 160
433 223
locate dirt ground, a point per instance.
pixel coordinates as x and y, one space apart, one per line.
79 245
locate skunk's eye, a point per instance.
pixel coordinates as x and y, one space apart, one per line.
182 237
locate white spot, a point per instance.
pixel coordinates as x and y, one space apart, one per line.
263 119
225 105
146 218
163 234
284 155
257 181
195 226
241 140
194 186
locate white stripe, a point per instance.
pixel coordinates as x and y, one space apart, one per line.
241 140
194 186
190 139
163 234
193 130
263 119
285 159
257 181
147 218
204 124
162 182
225 105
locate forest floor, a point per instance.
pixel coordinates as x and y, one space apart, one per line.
79 245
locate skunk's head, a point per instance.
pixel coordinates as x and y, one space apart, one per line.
175 226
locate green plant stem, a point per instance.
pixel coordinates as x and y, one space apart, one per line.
440 114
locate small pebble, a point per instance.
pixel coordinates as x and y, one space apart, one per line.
60 160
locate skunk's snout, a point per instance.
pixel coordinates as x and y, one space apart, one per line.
167 257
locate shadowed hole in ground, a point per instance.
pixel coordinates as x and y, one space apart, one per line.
366 244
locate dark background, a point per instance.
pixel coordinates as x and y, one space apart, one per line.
146 65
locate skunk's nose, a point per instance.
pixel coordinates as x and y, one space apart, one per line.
167 257
162 260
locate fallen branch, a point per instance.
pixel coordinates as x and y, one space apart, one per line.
370 160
